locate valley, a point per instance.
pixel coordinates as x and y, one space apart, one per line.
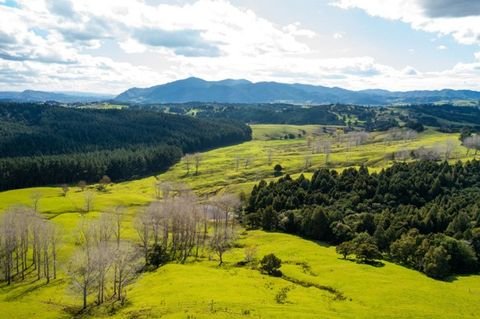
201 289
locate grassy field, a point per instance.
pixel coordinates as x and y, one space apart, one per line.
199 289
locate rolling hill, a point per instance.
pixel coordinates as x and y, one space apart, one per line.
61 97
243 91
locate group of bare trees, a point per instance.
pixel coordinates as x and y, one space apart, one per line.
248 161
400 134
472 143
181 226
105 262
439 151
27 242
192 159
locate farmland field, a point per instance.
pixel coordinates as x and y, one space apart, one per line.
201 289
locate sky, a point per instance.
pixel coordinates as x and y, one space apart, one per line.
109 46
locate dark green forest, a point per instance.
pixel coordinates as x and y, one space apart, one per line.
44 144
446 118
424 215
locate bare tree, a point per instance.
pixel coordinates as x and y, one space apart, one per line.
65 190
103 183
269 156
237 160
117 215
126 265
410 135
103 258
35 197
472 143
82 271
163 189
82 185
402 154
250 254
54 236
88 200
227 205
308 161
449 147
247 162
197 158
222 239
187 160
309 140
9 244
142 225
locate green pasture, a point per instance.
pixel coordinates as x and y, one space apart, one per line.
200 289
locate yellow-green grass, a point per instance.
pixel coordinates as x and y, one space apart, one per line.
183 290
203 290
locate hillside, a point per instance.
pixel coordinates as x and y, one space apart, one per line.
242 91
237 291
45 144
60 97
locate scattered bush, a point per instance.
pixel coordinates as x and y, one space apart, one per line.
270 264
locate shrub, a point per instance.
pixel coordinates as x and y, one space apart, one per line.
270 264
277 170
158 256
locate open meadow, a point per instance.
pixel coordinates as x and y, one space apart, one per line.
317 282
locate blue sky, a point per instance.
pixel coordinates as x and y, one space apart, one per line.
109 46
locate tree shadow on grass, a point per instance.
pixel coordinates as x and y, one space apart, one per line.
321 243
373 263
20 290
455 277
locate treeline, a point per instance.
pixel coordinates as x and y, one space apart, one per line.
45 144
119 164
276 113
422 214
447 118
370 118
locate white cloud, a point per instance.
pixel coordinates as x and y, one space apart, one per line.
338 35
441 47
50 45
427 15
295 29
410 71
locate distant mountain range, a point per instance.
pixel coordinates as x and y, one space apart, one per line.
243 91
61 97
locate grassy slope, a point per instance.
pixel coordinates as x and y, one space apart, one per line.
389 291
180 290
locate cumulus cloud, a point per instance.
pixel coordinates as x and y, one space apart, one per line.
63 8
188 43
441 47
60 45
458 18
451 8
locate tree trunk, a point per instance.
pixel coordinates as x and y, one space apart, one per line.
84 297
